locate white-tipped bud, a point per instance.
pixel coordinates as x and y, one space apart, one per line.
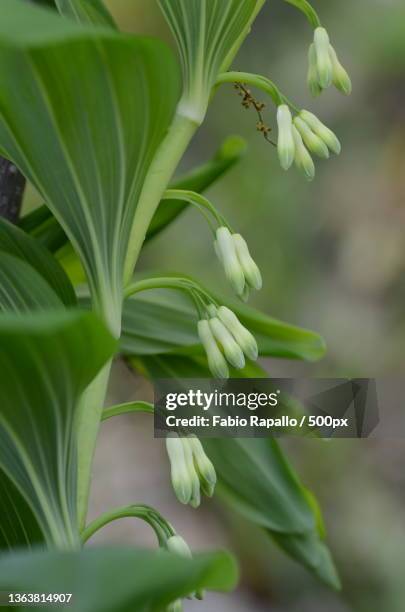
285 142
303 159
195 498
226 252
312 77
204 467
216 361
249 266
181 481
178 546
311 140
232 350
242 336
340 78
321 130
323 59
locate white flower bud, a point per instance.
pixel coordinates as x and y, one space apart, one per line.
242 336
216 361
340 78
303 159
204 467
227 255
195 498
328 137
249 267
311 140
323 59
178 546
181 481
212 310
285 142
232 350
312 77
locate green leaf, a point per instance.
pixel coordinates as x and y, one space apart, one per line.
207 33
18 525
86 12
22 289
100 103
163 321
16 242
117 580
46 362
43 225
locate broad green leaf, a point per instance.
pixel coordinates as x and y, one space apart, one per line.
22 289
16 242
255 478
41 224
18 525
100 103
46 362
207 33
86 11
163 321
117 580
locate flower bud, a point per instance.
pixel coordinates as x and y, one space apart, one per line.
303 159
249 267
178 546
340 78
204 467
232 350
328 137
181 482
227 255
311 140
195 498
312 77
176 606
323 59
242 336
216 361
212 310
285 142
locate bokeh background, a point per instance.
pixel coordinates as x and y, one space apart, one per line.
333 259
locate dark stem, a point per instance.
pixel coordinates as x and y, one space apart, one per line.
12 185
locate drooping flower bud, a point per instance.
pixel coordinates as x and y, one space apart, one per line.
195 498
227 255
323 59
285 142
311 140
178 546
216 361
242 336
181 481
303 159
204 467
312 77
328 137
249 266
340 78
232 350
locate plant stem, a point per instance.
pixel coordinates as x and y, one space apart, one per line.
144 407
161 171
161 527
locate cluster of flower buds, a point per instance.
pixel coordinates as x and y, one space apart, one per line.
190 469
240 269
299 136
223 329
178 546
324 66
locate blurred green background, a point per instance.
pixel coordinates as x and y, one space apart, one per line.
332 255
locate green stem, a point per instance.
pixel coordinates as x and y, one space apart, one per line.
168 282
160 526
144 407
256 80
196 199
161 171
89 417
309 12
